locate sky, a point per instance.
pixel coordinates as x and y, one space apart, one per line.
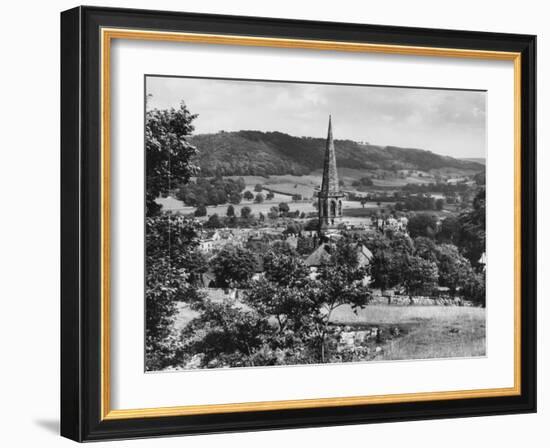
448 122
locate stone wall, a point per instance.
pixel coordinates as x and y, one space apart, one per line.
400 300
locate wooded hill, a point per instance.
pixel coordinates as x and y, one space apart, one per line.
256 153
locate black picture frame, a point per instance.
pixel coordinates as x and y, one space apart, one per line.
81 224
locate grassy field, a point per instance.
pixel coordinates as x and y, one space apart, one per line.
369 210
426 331
291 188
175 205
348 175
306 185
287 184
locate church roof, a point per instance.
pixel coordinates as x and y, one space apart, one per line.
321 255
330 174
364 255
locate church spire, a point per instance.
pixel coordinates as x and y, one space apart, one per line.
329 197
330 174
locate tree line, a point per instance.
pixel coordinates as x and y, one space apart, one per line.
211 191
419 266
466 231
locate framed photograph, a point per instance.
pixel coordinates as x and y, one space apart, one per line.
277 224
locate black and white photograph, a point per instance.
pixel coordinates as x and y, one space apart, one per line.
304 223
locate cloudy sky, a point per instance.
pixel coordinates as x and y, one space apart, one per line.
447 122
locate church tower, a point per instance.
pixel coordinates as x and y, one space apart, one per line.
330 197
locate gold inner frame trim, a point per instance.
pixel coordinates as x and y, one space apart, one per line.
107 35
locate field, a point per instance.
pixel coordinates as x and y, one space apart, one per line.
306 185
363 212
285 186
398 179
427 331
173 204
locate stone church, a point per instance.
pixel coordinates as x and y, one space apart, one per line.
330 214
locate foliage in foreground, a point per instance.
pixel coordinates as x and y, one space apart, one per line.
168 152
281 318
172 266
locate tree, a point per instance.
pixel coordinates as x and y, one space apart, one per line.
194 263
363 182
233 267
201 210
426 248
283 248
259 198
173 265
474 288
422 224
401 243
273 213
340 282
230 211
293 228
376 241
246 212
439 204
302 306
283 293
270 195
305 245
384 271
163 285
235 198
168 153
258 188
168 235
454 270
449 231
215 197
312 224
419 276
283 208
471 239
284 269
248 195
214 222
224 335
389 255
479 178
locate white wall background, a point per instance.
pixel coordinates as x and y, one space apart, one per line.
29 225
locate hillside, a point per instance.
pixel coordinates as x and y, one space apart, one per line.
475 159
268 153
